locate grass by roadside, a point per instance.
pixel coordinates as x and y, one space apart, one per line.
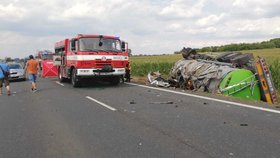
268 54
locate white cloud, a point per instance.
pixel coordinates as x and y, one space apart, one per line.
182 9
80 10
248 3
207 30
259 11
98 9
19 45
262 26
11 12
239 3
249 27
173 27
277 30
209 20
256 7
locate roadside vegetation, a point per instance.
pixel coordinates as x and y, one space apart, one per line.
272 57
142 65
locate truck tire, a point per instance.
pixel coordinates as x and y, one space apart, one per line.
115 80
74 81
60 78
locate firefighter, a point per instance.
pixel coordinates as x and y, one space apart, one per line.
127 72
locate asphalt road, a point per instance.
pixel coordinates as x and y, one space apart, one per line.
130 121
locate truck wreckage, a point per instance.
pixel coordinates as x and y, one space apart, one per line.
231 73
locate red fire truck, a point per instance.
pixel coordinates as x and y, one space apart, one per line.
91 56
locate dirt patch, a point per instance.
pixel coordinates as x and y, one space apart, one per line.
140 80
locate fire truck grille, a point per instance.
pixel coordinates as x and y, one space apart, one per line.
101 64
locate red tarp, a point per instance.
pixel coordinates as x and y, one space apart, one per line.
48 70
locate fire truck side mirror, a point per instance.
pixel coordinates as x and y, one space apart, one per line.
73 44
100 44
123 46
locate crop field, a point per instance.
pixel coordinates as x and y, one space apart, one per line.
265 53
142 65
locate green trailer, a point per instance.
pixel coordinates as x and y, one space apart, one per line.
241 83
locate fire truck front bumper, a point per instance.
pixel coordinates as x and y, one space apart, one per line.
100 72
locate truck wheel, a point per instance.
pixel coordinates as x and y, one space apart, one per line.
61 79
74 81
115 80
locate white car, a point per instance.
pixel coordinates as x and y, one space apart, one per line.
16 71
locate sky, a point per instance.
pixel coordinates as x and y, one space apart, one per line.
149 26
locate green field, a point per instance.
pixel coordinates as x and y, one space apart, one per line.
155 59
142 65
268 54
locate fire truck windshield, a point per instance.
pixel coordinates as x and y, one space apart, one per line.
93 45
46 56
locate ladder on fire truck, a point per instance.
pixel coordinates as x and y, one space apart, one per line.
266 83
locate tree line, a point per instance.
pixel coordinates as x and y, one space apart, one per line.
273 43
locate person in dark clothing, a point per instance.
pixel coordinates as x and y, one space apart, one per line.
127 72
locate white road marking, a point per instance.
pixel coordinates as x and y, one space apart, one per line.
105 105
59 83
212 99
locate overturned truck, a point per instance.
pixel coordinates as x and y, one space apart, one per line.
231 73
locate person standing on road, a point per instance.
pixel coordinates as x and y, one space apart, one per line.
32 68
4 78
127 72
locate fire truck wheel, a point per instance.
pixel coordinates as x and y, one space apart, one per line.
74 80
61 79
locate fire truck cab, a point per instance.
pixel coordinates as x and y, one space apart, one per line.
91 56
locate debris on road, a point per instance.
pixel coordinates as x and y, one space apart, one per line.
155 79
132 102
165 102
